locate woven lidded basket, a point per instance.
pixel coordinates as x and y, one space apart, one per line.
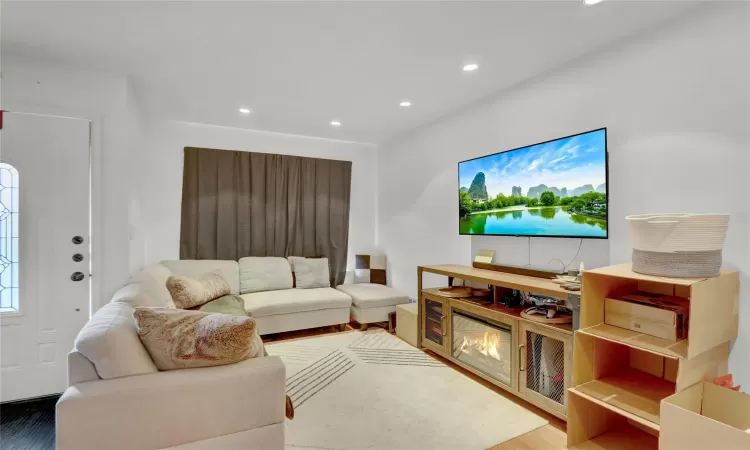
678 244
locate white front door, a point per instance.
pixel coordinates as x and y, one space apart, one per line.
44 247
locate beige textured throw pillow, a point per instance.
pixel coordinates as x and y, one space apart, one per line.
311 273
190 292
182 339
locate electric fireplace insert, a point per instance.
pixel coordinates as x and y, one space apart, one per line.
484 345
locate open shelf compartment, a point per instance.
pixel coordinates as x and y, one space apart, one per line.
592 426
632 381
622 377
713 308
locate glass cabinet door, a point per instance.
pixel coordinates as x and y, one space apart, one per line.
434 325
545 365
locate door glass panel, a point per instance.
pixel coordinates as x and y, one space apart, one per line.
545 366
433 317
9 228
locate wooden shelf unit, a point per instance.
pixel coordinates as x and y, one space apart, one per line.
561 335
714 308
620 376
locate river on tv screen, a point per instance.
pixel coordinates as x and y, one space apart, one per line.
558 188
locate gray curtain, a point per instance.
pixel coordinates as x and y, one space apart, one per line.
237 204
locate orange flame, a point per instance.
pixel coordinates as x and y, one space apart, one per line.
488 345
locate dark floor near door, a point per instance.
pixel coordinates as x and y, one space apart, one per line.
28 424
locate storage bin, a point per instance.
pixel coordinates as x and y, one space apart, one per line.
705 416
678 244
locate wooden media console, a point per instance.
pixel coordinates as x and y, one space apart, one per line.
530 359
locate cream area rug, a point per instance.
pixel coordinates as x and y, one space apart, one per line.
370 390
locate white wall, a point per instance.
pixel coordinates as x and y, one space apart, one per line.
676 102
45 87
137 163
159 177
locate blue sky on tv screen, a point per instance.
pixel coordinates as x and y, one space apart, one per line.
569 162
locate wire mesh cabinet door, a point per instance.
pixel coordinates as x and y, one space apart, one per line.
435 322
545 366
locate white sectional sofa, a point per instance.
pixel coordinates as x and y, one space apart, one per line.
117 399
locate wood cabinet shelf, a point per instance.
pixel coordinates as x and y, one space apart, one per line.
632 417
638 340
513 312
502 279
632 392
596 425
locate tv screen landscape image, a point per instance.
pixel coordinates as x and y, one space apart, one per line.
552 189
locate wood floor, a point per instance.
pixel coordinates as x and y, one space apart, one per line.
30 425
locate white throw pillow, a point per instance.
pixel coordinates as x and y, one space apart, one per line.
110 341
312 273
259 274
294 259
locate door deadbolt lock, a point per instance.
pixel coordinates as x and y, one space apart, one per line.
77 276
78 257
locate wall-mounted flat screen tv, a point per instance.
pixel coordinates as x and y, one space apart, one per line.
552 189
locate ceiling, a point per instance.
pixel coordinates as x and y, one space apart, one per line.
300 65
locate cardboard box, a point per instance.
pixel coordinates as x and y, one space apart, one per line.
658 315
705 416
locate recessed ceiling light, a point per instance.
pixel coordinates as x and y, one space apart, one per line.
335 123
245 111
470 67
591 2
405 104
